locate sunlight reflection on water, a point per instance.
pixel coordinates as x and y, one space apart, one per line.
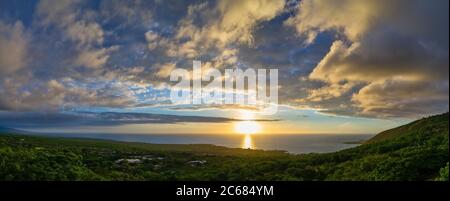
247 143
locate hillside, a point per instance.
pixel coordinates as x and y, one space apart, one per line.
417 151
432 125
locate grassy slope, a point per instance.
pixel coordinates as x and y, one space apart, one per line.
432 125
417 151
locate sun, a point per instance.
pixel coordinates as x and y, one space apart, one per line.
247 127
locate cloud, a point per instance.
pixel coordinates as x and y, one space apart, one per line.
85 33
39 64
79 26
61 94
210 31
95 58
63 13
351 17
114 53
13 47
215 106
227 22
45 119
403 98
152 39
382 47
380 57
165 70
135 12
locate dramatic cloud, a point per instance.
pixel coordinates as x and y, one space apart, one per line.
403 98
378 58
228 22
385 48
351 16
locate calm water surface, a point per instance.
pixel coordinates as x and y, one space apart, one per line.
302 143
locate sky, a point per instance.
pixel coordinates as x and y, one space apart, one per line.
345 66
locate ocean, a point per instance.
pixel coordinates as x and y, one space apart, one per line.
296 144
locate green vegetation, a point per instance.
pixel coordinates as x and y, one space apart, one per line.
443 174
417 151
